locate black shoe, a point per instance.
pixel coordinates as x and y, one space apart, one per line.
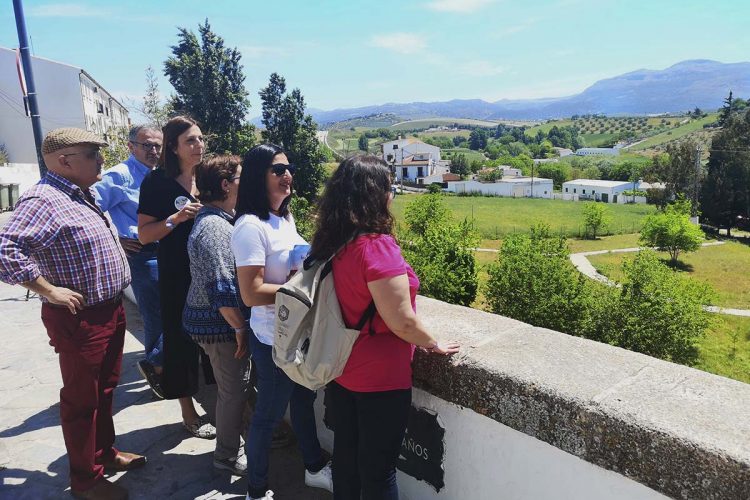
153 379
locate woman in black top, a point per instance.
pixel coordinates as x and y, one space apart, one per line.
166 209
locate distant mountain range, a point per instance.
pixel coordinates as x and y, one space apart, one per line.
682 87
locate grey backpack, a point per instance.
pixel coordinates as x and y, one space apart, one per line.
311 342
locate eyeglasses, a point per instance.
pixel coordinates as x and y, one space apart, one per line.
90 155
280 169
148 146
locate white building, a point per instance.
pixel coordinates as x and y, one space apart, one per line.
593 189
67 97
413 160
598 151
516 187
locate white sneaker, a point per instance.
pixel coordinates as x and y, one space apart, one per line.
321 479
267 496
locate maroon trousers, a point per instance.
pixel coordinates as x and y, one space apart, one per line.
90 347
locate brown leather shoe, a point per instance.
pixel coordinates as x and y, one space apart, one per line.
102 490
125 461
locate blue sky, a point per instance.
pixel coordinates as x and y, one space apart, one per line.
348 53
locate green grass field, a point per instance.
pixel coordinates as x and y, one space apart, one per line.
725 267
726 348
495 217
470 154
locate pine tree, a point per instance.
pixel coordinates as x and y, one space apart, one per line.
209 85
286 124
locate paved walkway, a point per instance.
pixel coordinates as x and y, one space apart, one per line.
33 463
582 263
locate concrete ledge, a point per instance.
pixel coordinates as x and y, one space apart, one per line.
680 431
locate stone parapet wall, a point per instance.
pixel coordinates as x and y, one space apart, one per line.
677 430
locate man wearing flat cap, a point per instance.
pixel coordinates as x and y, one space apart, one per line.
59 244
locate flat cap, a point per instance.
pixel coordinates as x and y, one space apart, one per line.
69 136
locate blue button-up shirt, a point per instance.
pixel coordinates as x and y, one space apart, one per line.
117 193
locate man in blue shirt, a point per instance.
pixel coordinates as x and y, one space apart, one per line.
117 193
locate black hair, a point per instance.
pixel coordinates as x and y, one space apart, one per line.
252 197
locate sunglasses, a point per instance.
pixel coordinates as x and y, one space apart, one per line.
280 169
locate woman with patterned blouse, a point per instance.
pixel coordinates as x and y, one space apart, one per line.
214 315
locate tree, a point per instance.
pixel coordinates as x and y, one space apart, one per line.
658 311
677 170
478 139
426 209
595 218
534 281
209 85
286 124
363 144
726 191
117 151
459 165
440 251
726 111
155 112
672 231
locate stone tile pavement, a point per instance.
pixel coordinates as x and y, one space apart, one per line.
33 462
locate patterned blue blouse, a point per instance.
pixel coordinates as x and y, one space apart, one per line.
214 278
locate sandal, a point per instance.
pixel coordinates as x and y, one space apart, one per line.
201 428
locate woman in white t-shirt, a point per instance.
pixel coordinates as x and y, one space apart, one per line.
263 236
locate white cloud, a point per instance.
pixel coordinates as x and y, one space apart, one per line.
481 68
461 6
260 51
403 43
68 10
516 28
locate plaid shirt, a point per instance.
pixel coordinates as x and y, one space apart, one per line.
58 232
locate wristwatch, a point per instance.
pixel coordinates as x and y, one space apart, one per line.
168 222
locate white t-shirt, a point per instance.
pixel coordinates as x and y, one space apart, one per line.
257 242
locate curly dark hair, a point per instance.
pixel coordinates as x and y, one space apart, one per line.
210 173
355 200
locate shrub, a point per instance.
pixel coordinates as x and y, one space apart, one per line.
533 281
657 311
440 251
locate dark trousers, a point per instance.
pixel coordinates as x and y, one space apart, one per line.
89 345
368 430
276 391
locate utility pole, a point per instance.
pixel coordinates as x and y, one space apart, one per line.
694 208
532 179
36 122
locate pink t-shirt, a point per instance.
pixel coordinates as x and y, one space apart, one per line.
379 362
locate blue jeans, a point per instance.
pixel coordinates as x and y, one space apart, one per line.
275 392
145 273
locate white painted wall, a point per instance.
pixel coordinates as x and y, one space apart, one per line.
59 98
500 188
588 189
23 174
485 460
66 98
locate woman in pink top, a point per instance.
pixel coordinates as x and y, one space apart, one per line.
370 401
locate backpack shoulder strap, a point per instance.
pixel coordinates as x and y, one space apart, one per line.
368 315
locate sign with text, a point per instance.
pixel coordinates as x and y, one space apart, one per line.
423 448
